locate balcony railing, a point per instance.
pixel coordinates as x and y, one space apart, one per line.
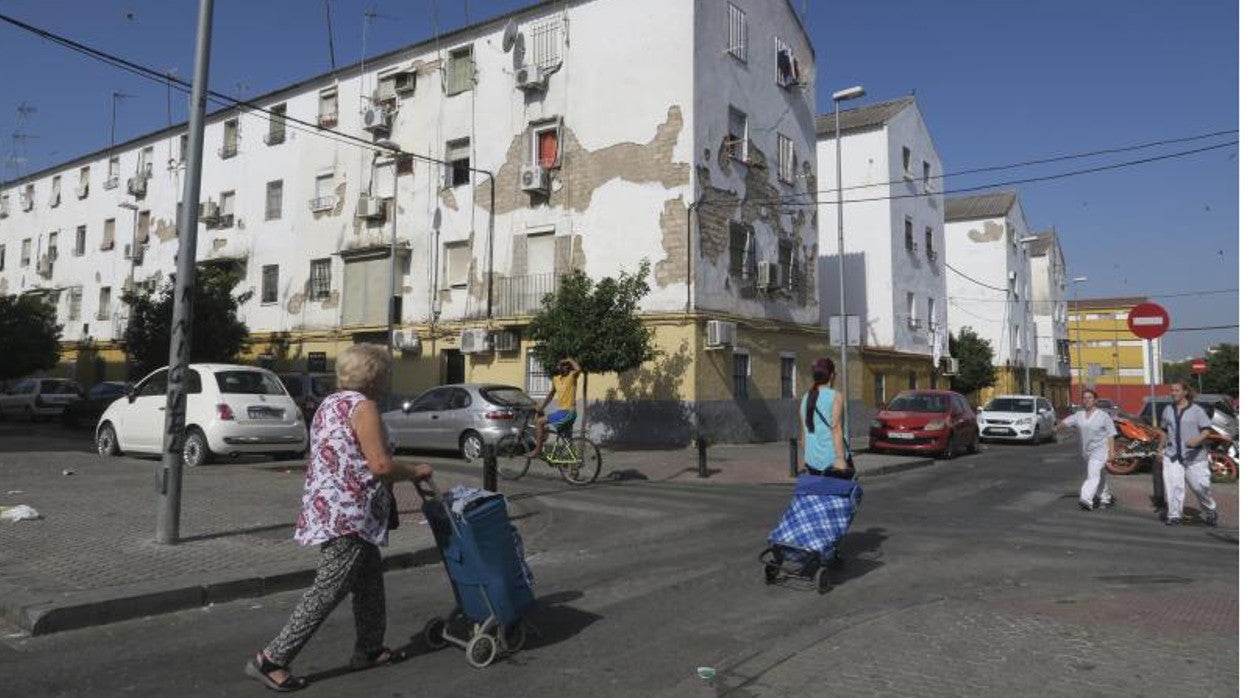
323 203
517 295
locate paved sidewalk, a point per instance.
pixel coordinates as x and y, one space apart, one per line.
92 559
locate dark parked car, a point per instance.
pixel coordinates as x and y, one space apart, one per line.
87 409
308 390
926 421
1209 401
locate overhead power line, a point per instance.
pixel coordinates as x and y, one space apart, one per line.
1151 296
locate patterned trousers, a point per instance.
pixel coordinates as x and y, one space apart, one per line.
347 564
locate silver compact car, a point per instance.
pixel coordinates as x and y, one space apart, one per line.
463 417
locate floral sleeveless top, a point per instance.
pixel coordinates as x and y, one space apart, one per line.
341 497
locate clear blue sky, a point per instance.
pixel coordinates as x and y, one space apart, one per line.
999 82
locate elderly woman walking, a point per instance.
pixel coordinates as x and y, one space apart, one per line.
347 503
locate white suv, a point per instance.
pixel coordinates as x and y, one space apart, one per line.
229 410
1018 418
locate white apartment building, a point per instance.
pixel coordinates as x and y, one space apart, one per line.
615 131
894 241
1048 304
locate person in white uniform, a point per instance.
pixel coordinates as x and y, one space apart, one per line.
1185 460
1096 434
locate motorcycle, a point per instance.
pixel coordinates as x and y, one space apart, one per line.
1134 443
1224 448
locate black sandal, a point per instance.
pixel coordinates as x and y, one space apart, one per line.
369 660
259 667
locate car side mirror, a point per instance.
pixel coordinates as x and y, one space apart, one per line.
406 407
979 409
130 392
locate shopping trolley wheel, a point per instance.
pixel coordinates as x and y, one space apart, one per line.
433 633
481 650
823 579
512 639
770 573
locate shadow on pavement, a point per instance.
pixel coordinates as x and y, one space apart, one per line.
553 621
860 554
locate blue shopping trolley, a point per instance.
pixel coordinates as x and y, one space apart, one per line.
804 544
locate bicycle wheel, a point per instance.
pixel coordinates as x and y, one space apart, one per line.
579 460
513 461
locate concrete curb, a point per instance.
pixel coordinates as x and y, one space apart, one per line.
42 614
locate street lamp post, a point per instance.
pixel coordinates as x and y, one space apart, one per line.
1029 326
1074 283
838 97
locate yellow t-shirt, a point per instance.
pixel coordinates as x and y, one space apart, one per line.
565 391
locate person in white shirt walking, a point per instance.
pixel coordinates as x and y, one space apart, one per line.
1096 433
1185 459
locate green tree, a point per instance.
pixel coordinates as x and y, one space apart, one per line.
974 355
598 324
30 339
217 333
1223 373
1172 371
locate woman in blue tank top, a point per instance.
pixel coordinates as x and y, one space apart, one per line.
823 435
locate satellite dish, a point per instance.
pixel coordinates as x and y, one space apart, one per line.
509 35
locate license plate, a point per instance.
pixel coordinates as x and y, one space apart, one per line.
997 430
265 412
903 435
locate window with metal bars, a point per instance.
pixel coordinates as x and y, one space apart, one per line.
741 376
460 71
268 283
318 288
738 34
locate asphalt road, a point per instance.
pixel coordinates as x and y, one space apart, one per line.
975 577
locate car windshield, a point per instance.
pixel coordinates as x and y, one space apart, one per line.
1011 404
919 403
248 383
507 396
55 387
324 385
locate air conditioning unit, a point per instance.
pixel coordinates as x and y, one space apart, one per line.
720 333
912 323
126 251
209 212
1012 275
506 341
768 275
535 178
530 77
405 82
474 341
376 119
136 186
369 207
406 342
951 366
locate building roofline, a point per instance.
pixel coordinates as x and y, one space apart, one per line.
1104 303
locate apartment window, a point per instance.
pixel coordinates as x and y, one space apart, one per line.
788 70
788 375
460 71
110 234
546 150
741 376
106 300
786 159
277 125
384 182
55 199
455 265
229 140
931 313
324 190
184 145
52 248
911 316
25 260
4 206
905 162
910 246
226 219
114 172
784 260
84 182
80 241
145 162
930 239
327 109
75 304
458 158
913 381
28 197
738 134
547 44
273 200
741 252
268 283
144 227
738 34
927 176
881 390
318 289
536 380
1 257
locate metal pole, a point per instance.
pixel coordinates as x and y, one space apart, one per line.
489 278
792 457
169 477
394 237
840 260
702 471
489 468
1152 388
1026 350
1083 372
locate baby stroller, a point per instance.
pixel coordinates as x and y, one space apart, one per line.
803 545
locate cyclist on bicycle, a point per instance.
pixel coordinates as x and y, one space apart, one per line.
563 392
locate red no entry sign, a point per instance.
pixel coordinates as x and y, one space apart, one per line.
1148 321
1199 366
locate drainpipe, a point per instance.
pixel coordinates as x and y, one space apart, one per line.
689 253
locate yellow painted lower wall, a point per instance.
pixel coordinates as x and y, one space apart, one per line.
886 373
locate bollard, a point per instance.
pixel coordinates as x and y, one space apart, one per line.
702 471
792 457
489 468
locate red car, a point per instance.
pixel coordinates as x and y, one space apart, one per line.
926 421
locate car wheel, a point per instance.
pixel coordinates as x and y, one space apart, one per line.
106 441
471 445
195 451
950 445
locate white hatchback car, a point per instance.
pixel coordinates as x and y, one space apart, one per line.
1018 418
229 410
